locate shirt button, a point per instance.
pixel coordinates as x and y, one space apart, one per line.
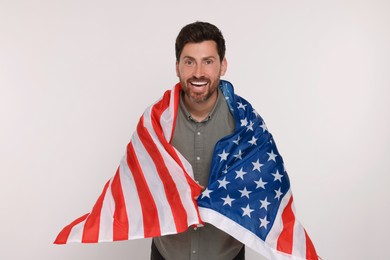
195 228
198 158
193 251
198 133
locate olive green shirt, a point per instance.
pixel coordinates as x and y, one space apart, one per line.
196 141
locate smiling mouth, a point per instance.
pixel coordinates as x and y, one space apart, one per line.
198 83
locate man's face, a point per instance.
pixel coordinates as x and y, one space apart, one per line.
199 70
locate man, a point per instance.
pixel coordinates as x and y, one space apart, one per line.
203 119
199 136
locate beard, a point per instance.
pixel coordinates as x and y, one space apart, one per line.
199 93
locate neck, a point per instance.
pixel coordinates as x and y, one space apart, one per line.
199 111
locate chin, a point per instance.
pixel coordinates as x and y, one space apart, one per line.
199 99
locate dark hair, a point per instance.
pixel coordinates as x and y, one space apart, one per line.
198 32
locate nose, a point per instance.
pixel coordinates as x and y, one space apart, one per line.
199 71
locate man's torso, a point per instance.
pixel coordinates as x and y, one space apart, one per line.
196 142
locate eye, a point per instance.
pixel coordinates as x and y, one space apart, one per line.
188 62
208 62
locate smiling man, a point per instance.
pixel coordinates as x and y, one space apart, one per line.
201 174
202 120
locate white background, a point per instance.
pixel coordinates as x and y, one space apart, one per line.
76 75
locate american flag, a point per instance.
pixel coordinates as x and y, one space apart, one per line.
249 194
152 193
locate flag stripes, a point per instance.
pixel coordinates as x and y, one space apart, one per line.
179 215
152 192
92 223
149 208
131 196
121 221
285 240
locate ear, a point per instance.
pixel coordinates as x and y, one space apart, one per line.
223 66
177 69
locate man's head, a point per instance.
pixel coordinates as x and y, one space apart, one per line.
200 53
198 32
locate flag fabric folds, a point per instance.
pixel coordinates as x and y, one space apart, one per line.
152 193
249 194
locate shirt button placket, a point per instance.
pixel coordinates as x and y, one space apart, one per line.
198 150
198 161
195 245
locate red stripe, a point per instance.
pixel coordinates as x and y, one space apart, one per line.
157 111
178 211
92 224
175 108
311 253
149 209
285 240
62 237
121 222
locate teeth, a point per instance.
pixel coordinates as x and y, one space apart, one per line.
198 83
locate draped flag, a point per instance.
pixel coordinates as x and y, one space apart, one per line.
249 194
152 193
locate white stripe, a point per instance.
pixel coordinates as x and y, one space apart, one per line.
132 202
106 216
76 233
168 117
244 235
184 190
299 240
156 187
166 122
177 174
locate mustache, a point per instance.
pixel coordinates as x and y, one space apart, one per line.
199 79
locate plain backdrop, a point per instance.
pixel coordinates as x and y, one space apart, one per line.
75 76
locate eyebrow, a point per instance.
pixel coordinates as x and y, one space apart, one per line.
205 58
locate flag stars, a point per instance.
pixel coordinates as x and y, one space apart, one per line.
264 222
250 126
225 170
264 204
278 194
240 174
238 155
241 105
253 141
223 155
237 141
284 168
227 201
223 183
272 156
244 122
264 127
247 211
260 183
256 166
206 193
245 193
278 176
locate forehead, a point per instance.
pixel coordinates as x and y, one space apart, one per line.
200 50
